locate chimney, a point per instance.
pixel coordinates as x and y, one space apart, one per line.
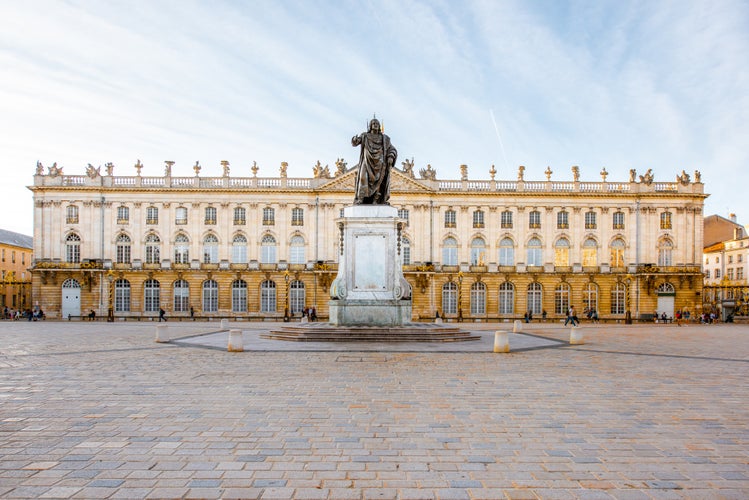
732 217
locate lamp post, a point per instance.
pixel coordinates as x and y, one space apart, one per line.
460 297
286 278
110 311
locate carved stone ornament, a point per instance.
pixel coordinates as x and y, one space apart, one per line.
428 173
138 166
225 166
576 173
254 169
492 172
548 173
197 168
92 172
54 171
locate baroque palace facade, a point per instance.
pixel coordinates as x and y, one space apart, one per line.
255 247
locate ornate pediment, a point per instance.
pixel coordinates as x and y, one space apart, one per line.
399 183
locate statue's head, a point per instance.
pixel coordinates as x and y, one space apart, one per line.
374 125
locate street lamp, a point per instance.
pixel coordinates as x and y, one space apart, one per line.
286 278
110 312
460 297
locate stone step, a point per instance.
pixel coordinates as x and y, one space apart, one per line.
322 332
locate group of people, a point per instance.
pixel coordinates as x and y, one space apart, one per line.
571 317
19 314
310 313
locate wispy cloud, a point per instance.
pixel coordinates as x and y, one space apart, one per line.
628 85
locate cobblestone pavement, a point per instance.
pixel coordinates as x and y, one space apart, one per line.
97 410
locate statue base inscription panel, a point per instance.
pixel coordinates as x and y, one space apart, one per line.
370 288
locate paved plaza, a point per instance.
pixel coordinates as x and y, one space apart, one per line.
98 410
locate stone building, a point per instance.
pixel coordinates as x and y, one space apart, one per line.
726 267
15 259
473 250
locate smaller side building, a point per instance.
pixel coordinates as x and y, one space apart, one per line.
726 290
16 252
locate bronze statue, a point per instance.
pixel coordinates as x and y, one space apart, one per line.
376 159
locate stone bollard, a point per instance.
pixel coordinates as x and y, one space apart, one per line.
236 344
305 319
501 342
162 335
224 324
576 336
438 321
517 327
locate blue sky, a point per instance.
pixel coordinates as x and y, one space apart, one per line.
621 85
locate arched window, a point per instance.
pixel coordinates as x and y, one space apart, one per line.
449 298
478 298
296 296
268 250
181 296
210 296
268 296
181 249
153 249
122 295
405 251
239 296
478 252
562 298
590 253
666 288
210 249
123 249
617 253
665 251
151 296
239 249
562 252
534 256
535 297
450 252
590 297
618 298
506 298
71 283
506 252
73 249
296 250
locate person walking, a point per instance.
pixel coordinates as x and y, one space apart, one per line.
571 316
162 313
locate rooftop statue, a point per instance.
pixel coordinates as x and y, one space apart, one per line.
376 159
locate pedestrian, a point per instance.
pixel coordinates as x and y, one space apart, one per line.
313 314
192 313
525 317
571 316
543 314
678 318
161 314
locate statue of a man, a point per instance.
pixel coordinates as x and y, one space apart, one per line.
376 159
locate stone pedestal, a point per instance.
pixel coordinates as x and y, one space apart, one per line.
576 336
370 289
236 343
501 342
162 335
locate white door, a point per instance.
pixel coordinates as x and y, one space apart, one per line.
666 305
71 298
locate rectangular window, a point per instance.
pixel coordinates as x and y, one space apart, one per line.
506 220
563 221
13 256
729 273
717 274
534 220
450 218
240 216
618 220
590 220
478 219
739 258
23 258
152 215
269 217
71 215
403 214
707 274
181 218
666 220
730 259
297 216
123 215
210 215
740 273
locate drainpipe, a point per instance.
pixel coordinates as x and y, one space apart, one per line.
637 258
101 253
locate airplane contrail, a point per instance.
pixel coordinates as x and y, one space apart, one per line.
499 137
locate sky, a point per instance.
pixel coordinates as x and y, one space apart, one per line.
600 83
